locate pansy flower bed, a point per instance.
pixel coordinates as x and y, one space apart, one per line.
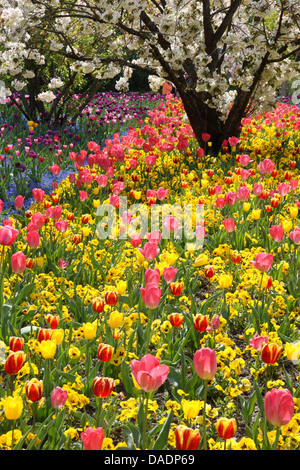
151 300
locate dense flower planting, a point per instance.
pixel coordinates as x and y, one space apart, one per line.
113 338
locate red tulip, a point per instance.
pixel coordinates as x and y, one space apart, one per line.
176 319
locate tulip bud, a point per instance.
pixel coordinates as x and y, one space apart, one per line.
16 344
111 297
186 438
98 305
176 319
34 389
14 362
226 428
52 320
175 288
201 322
270 352
103 386
105 352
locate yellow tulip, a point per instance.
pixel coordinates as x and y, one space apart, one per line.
201 260
13 407
246 206
115 320
256 214
294 212
58 335
225 281
89 330
292 351
190 408
48 348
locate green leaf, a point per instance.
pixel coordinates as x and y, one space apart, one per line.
162 439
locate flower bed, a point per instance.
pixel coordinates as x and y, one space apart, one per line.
178 334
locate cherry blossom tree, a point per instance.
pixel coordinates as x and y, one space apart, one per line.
221 55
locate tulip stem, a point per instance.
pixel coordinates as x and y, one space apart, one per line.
277 437
99 412
145 421
204 416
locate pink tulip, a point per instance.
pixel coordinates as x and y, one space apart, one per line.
243 193
171 224
230 198
126 217
257 341
205 363
229 225
294 184
83 195
266 166
154 236
61 225
276 232
220 202
38 219
18 262
152 276
33 238
244 159
38 195
162 193
263 262
257 189
92 439
149 373
59 397
169 274
1 205
151 295
8 235
135 240
54 212
19 201
279 407
62 264
295 236
283 189
55 169
150 251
